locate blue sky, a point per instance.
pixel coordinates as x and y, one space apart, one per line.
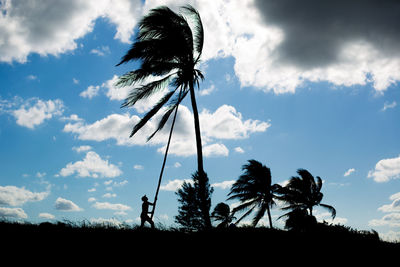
65 151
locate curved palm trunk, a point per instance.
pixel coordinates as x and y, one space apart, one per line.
202 175
269 217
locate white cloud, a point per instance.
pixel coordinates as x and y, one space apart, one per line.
264 39
215 150
63 204
35 111
385 170
227 123
101 51
47 28
91 166
138 167
207 91
109 195
349 171
13 213
173 185
91 199
32 77
90 92
75 81
224 123
239 150
109 206
387 105
177 165
394 206
46 215
72 117
16 196
224 185
391 220
80 149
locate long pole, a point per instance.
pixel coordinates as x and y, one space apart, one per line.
164 161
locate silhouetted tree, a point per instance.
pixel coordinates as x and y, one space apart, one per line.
304 193
190 215
299 220
254 190
222 213
167 47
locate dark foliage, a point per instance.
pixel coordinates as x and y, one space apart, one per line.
192 213
303 192
222 213
254 191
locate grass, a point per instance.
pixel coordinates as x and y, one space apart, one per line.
86 238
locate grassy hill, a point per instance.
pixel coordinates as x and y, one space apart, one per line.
104 242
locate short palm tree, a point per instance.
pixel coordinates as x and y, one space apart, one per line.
254 190
167 47
304 193
222 213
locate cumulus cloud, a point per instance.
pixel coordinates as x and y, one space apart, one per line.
63 204
35 111
173 185
279 45
16 196
91 166
90 92
391 219
386 170
80 149
17 213
110 206
46 28
224 184
225 123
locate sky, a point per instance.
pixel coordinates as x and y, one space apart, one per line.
310 84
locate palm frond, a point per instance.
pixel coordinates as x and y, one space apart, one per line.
198 30
331 209
152 112
145 91
174 103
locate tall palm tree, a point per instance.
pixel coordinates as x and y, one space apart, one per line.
254 190
167 47
304 193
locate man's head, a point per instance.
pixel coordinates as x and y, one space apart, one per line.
144 198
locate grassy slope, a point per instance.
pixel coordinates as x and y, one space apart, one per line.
104 243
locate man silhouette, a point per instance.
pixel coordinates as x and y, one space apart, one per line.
144 216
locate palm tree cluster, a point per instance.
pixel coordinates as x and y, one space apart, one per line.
255 192
168 48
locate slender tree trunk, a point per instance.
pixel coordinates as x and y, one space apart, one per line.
202 175
200 167
269 217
